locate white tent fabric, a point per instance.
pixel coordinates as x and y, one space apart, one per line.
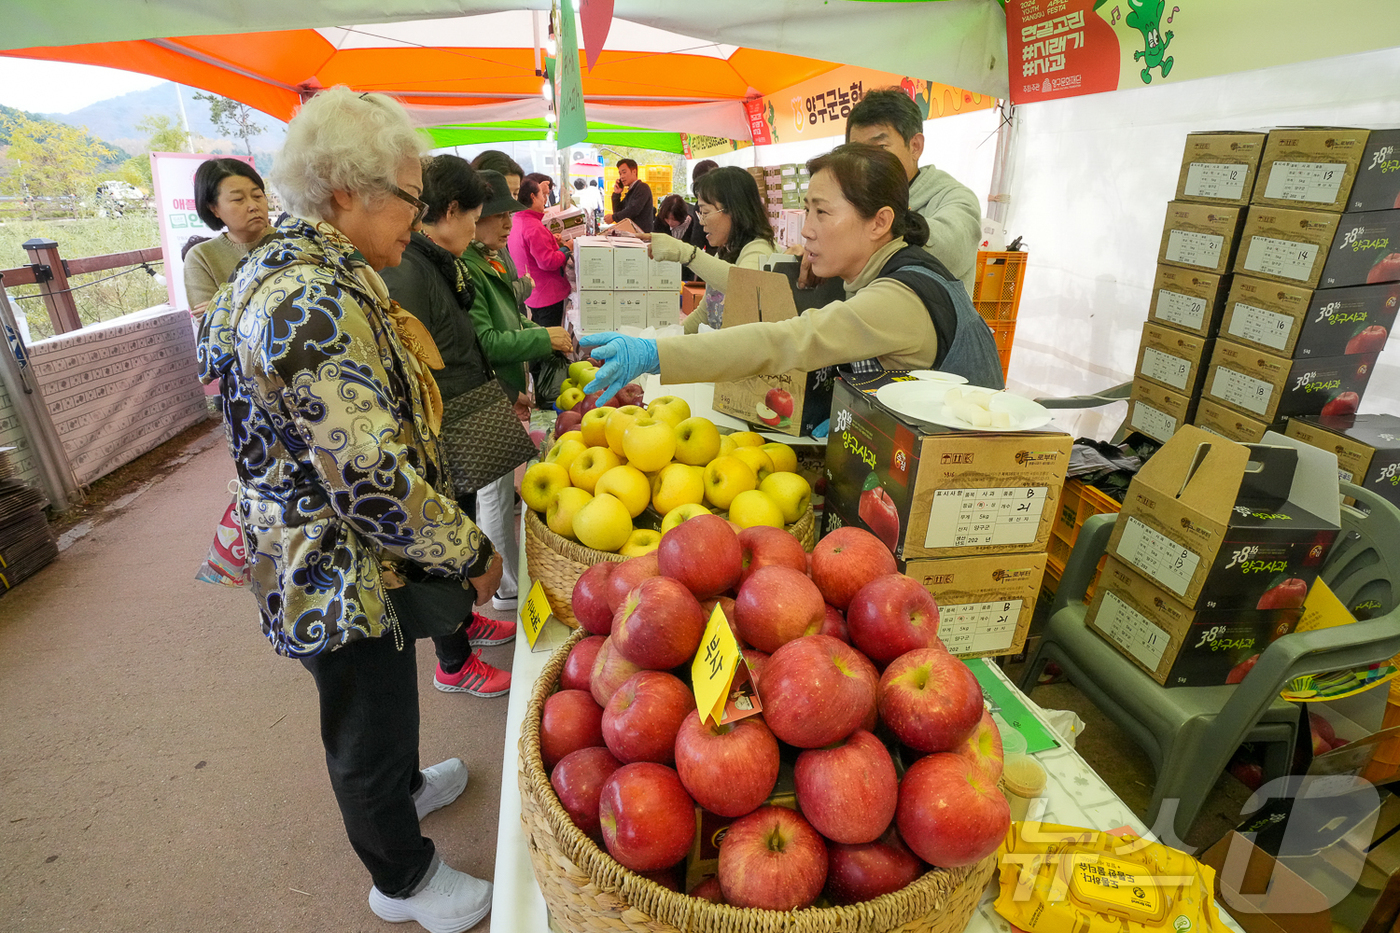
1091 177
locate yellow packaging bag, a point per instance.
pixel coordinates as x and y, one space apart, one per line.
1065 879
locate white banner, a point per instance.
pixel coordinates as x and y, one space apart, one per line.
173 175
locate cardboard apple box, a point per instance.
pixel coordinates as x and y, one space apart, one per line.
1269 387
985 604
1219 167
1201 236
1367 448
630 265
1173 358
593 263
1377 184
1188 299
566 224
1227 422
1310 167
597 311
1286 245
1158 411
1293 321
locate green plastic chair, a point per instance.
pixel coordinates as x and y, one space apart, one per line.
1190 733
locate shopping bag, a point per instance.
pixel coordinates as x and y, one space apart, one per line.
227 563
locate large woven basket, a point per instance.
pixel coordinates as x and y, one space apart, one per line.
587 891
557 562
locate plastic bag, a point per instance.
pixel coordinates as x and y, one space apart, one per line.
227 563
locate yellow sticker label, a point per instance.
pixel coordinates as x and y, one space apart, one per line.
535 613
1116 886
1322 609
712 671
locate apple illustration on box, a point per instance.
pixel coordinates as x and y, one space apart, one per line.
1344 404
1289 594
1386 269
878 511
1370 340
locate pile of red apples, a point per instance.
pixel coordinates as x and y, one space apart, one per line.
853 681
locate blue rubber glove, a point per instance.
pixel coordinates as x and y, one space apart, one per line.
624 359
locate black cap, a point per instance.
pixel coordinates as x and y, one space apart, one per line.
500 201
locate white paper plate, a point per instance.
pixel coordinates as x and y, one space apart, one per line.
923 401
934 375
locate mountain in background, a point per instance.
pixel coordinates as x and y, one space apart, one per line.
118 154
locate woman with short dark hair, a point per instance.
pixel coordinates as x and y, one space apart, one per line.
229 195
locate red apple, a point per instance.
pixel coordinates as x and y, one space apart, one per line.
765 546
848 791
1241 670
703 553
775 605
1386 269
648 819
610 671
571 720
890 615
630 394
708 890
772 859
578 666
1320 726
756 660
817 690
846 560
578 780
983 747
930 699
881 515
867 870
641 720
628 574
835 624
658 625
780 401
1344 404
1289 594
567 421
950 813
1248 773
590 603
729 769
1370 340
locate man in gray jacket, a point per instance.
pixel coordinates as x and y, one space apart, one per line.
888 118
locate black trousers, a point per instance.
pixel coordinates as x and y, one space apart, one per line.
549 315
369 727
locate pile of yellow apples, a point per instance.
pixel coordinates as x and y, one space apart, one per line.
628 475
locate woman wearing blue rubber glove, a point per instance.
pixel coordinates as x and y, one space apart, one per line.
902 309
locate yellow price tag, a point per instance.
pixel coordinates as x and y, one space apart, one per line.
712 671
1322 609
535 613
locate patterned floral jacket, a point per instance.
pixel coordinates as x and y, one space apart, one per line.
327 416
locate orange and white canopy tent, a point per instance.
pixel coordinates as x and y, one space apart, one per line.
684 69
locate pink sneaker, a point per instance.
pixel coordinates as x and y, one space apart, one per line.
483 631
476 677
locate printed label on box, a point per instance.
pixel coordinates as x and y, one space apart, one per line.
1195 249
996 515
1184 310
1152 422
1267 327
1317 182
1238 389
1287 258
1133 630
975 627
1165 368
1216 180
1158 556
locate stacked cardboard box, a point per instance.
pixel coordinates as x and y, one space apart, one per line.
618 285
966 513
1367 448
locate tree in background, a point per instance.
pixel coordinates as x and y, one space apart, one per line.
232 118
53 160
164 134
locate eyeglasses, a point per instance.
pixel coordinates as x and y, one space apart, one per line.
420 208
702 213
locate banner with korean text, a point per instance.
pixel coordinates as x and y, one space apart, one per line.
173 177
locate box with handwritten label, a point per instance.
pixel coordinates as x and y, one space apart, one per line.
1286 245
1220 167
1176 645
1201 236
1189 299
1173 358
1293 321
1158 411
1222 525
936 492
1227 422
985 604
1311 167
1270 387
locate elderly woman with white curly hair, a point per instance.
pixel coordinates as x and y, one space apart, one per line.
354 550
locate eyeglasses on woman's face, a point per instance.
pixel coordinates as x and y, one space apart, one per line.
706 212
420 207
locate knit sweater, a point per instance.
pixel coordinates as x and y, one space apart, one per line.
209 264
954 218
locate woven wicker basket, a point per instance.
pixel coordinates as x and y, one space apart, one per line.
587 891
557 562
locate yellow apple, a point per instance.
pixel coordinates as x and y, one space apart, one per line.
755 507
643 541
680 513
784 457
564 508
568 398
564 451
589 467
649 443
792 493
594 425
697 441
574 435
670 409
748 438
541 483
618 423
726 445
677 484
629 485
582 372
568 384
603 523
758 461
725 478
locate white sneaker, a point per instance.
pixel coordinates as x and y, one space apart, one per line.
504 603
451 902
442 784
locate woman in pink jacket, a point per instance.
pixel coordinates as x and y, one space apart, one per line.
538 253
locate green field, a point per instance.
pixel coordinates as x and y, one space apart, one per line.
103 295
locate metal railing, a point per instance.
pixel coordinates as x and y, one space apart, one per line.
50 272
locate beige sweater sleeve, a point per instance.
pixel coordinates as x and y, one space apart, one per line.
885 320
200 283
715 272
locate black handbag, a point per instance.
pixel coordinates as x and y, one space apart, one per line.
427 606
482 439
550 374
